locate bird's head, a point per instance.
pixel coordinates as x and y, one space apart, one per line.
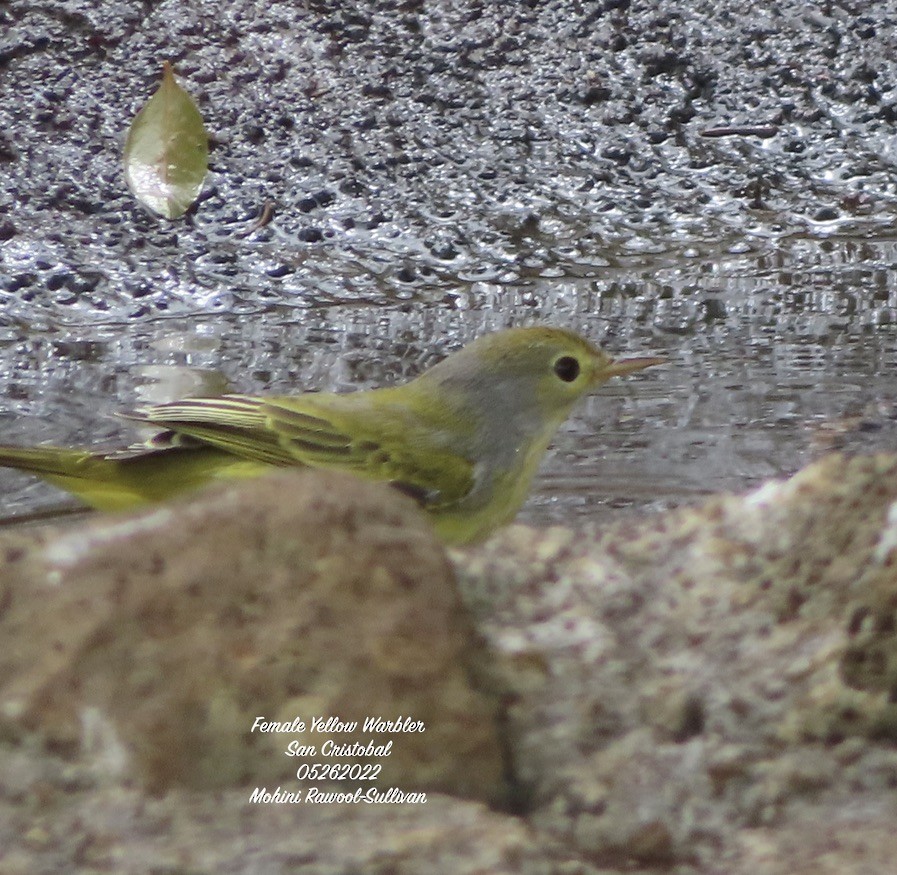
537 368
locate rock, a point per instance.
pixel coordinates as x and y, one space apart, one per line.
706 690
709 671
162 639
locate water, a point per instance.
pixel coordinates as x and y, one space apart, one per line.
775 356
453 169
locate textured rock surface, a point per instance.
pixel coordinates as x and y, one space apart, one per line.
726 667
706 690
161 637
61 827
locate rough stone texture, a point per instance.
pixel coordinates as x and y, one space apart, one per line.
159 639
66 824
708 690
726 667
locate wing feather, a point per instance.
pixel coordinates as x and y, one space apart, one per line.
237 410
323 431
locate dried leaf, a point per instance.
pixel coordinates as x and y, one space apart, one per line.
167 151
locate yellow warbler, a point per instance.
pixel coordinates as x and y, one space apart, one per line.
465 438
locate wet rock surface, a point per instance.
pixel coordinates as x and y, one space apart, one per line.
708 687
410 145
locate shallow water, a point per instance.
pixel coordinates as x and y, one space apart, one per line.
448 169
773 361
774 357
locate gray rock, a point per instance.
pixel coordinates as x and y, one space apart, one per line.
704 690
161 640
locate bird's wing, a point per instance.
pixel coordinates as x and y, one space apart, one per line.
323 431
233 423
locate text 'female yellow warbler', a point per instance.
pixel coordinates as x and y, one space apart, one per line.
465 438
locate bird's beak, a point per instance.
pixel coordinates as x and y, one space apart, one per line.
619 367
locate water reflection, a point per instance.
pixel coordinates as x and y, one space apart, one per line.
776 355
157 384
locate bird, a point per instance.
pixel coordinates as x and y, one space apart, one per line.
464 438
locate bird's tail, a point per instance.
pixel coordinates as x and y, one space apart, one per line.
49 461
130 478
95 479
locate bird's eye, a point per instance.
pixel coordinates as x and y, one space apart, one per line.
567 368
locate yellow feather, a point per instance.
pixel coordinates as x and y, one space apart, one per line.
465 438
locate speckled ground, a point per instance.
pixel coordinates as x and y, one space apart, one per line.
410 148
702 688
